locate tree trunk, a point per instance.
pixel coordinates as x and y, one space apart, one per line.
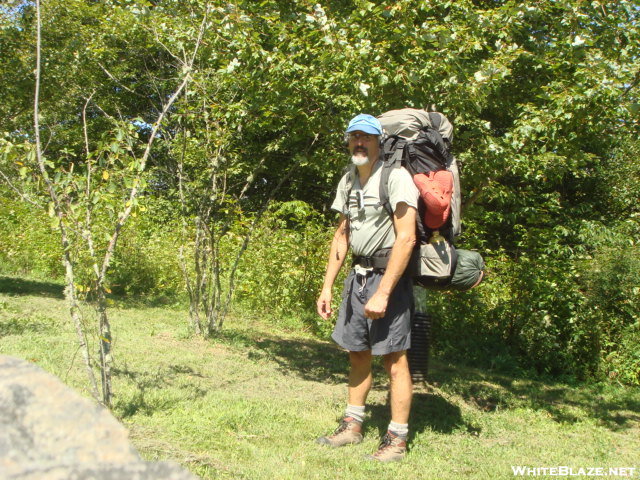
70 289
74 310
106 359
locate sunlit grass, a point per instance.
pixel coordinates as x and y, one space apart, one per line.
250 403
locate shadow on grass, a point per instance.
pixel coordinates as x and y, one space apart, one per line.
311 360
146 399
21 286
614 407
20 326
434 412
323 362
429 411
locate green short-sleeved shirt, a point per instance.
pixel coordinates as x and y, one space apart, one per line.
370 225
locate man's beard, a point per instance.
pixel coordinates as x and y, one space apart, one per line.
360 157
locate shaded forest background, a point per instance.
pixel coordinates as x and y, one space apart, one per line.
224 200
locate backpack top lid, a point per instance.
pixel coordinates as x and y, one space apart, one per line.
407 123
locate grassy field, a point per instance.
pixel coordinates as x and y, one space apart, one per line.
249 404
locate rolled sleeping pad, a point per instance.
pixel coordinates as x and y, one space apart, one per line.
469 272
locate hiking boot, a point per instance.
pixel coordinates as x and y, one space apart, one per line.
391 449
348 432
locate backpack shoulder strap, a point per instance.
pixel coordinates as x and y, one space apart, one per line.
394 162
351 174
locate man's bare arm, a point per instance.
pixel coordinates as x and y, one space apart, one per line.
337 255
404 222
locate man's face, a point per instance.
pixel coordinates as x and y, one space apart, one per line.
363 147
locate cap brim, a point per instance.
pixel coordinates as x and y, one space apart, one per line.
363 128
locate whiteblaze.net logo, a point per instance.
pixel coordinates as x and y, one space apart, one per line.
621 472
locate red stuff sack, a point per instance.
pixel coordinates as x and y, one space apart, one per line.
435 189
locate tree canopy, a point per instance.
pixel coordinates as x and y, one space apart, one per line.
543 96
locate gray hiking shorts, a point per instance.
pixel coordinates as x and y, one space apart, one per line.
356 333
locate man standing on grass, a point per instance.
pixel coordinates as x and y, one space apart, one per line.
377 301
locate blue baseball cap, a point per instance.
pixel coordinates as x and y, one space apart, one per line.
365 123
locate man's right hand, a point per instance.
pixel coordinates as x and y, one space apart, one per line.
323 305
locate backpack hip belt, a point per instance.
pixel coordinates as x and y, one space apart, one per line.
378 261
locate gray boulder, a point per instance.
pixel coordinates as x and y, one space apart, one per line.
49 432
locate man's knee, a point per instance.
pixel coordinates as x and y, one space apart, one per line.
360 359
396 364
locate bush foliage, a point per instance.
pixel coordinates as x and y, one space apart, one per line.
28 245
543 97
578 318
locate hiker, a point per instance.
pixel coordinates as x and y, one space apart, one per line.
377 301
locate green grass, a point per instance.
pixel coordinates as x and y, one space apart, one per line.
249 404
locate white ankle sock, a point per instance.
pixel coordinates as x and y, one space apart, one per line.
400 429
355 412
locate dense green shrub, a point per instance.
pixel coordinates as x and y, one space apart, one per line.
146 260
611 280
558 317
28 244
622 363
283 268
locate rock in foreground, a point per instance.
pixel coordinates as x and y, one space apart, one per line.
49 432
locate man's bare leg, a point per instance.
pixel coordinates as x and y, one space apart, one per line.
401 389
393 446
360 378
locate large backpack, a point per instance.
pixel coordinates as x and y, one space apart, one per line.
421 142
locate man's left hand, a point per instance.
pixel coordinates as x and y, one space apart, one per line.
376 307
